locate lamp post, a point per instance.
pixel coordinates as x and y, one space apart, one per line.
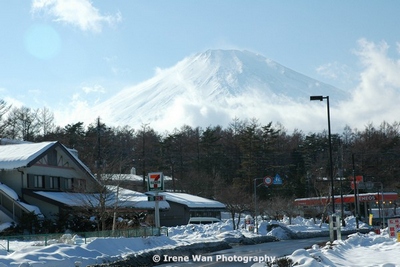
320 98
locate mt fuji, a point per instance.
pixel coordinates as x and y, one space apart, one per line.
213 88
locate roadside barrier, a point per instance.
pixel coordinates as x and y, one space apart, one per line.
82 237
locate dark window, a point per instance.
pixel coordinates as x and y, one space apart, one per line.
68 183
54 182
38 181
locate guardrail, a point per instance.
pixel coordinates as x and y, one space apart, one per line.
81 237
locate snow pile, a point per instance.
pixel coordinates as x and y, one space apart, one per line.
358 250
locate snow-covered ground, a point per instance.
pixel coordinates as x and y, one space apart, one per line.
358 250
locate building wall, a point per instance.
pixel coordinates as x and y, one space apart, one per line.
12 179
48 210
178 214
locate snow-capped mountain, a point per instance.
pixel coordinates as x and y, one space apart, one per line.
212 88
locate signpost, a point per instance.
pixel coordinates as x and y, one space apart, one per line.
394 227
156 198
155 183
267 180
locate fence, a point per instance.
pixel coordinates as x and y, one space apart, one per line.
81 237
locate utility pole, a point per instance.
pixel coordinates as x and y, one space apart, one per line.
144 126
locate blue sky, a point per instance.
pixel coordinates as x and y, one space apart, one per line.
94 49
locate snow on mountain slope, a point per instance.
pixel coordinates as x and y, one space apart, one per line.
212 88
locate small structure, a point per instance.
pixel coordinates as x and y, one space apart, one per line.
184 206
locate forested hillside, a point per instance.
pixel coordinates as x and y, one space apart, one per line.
215 161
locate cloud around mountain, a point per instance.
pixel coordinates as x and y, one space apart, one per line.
214 87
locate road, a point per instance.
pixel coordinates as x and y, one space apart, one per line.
245 255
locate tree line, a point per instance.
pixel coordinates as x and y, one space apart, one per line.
222 163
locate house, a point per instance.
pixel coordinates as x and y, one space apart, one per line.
26 168
184 206
49 179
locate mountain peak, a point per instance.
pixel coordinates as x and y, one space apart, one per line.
213 86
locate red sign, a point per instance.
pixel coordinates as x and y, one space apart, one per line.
366 198
394 226
156 198
359 178
268 180
155 181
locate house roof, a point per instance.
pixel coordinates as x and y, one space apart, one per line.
127 177
126 199
191 201
21 155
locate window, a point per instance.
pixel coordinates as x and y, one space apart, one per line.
54 182
38 181
68 183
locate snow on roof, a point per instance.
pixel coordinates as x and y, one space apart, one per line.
32 208
12 194
8 191
128 177
191 201
20 155
130 198
126 198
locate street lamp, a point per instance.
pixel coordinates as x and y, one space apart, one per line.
320 98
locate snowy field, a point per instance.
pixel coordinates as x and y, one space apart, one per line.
358 250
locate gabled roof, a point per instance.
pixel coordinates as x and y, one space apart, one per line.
22 155
26 154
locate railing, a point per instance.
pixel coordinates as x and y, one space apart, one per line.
82 237
13 208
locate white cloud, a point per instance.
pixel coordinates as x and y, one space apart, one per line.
93 89
78 110
340 75
331 70
377 97
13 102
79 13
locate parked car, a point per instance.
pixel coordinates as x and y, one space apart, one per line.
203 220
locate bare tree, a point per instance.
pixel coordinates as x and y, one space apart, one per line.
279 206
236 202
22 123
45 121
4 108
